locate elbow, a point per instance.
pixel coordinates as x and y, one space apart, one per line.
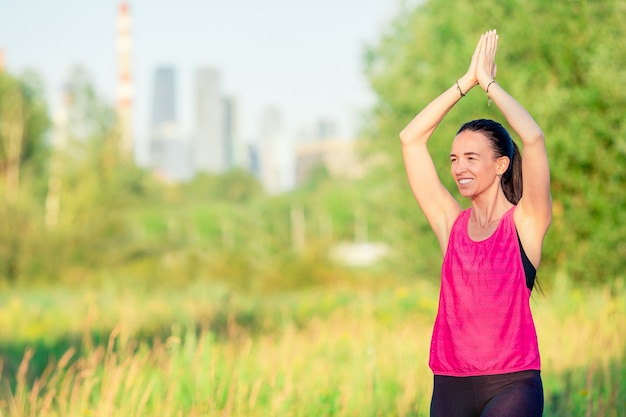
404 137
407 137
534 138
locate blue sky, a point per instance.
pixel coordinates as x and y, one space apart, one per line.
303 57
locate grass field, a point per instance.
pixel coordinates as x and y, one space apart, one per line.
331 352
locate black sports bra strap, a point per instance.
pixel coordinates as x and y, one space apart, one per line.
529 269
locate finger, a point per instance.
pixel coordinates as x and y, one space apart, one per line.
496 44
495 48
491 42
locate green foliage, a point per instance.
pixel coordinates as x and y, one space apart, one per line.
236 186
90 118
561 61
23 121
34 111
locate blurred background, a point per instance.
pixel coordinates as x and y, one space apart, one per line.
191 182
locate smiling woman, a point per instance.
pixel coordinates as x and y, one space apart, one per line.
495 142
484 351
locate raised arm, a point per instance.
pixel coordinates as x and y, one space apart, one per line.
534 211
438 205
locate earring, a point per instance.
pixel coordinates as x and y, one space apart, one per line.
499 175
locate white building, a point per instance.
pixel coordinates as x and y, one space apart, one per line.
277 153
210 145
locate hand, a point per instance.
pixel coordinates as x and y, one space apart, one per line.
471 74
486 67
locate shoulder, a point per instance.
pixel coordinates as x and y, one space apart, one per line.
463 215
461 220
454 222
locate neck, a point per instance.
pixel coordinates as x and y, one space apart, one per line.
489 209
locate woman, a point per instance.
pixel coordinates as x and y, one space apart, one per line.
484 352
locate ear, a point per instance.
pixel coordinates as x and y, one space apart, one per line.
502 164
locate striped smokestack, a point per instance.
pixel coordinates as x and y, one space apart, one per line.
124 81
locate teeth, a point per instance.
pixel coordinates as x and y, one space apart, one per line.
465 181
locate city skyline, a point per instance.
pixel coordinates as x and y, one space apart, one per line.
280 160
215 144
305 59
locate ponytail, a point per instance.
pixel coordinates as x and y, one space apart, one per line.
512 183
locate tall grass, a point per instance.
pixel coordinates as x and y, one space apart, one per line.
332 353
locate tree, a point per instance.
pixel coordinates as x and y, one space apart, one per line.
23 122
562 62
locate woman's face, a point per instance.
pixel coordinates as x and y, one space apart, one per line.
474 166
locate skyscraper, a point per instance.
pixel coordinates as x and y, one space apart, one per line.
164 99
170 150
229 132
236 152
277 153
210 145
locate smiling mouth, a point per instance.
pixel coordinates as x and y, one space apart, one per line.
465 181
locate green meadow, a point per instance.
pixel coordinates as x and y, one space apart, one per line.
333 352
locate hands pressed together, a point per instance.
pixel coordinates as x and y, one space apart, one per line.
482 69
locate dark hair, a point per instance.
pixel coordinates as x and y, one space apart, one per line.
502 145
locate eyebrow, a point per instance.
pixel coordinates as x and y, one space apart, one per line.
467 153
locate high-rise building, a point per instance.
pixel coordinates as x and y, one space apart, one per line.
276 152
326 129
340 158
229 107
211 152
170 149
237 153
171 153
164 98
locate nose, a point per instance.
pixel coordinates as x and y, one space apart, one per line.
459 167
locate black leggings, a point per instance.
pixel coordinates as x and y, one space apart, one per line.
518 394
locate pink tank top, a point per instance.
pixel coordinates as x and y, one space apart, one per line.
484 324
